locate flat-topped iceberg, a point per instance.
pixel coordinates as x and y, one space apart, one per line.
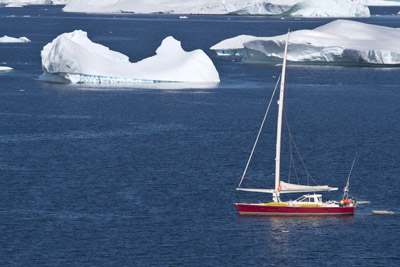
340 42
72 57
339 8
8 39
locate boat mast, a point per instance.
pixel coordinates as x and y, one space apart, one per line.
275 195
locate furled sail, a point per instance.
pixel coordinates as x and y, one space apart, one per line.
295 188
292 188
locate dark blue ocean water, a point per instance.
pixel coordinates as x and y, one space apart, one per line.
100 176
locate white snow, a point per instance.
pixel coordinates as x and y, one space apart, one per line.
339 42
7 39
72 57
341 8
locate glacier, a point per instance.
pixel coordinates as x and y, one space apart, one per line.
340 42
328 8
338 8
177 6
20 3
73 57
8 39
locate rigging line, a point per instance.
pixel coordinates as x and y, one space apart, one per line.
295 172
290 159
259 132
298 153
291 140
301 158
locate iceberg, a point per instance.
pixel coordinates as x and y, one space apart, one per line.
73 57
233 46
7 39
340 8
340 42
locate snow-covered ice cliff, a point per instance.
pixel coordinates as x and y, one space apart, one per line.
73 57
328 8
338 8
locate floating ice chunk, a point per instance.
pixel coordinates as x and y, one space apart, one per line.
7 39
329 8
72 57
4 68
15 5
339 42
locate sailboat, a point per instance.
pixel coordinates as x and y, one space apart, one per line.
308 204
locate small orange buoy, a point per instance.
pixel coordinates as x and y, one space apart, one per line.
279 188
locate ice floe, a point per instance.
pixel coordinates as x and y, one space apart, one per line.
8 39
340 42
5 68
73 57
339 8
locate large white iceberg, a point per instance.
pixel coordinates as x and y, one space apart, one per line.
340 8
72 57
8 39
338 42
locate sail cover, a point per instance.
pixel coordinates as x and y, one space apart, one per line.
294 188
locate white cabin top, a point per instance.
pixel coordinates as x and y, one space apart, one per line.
314 198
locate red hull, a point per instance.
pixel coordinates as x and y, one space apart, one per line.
255 209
